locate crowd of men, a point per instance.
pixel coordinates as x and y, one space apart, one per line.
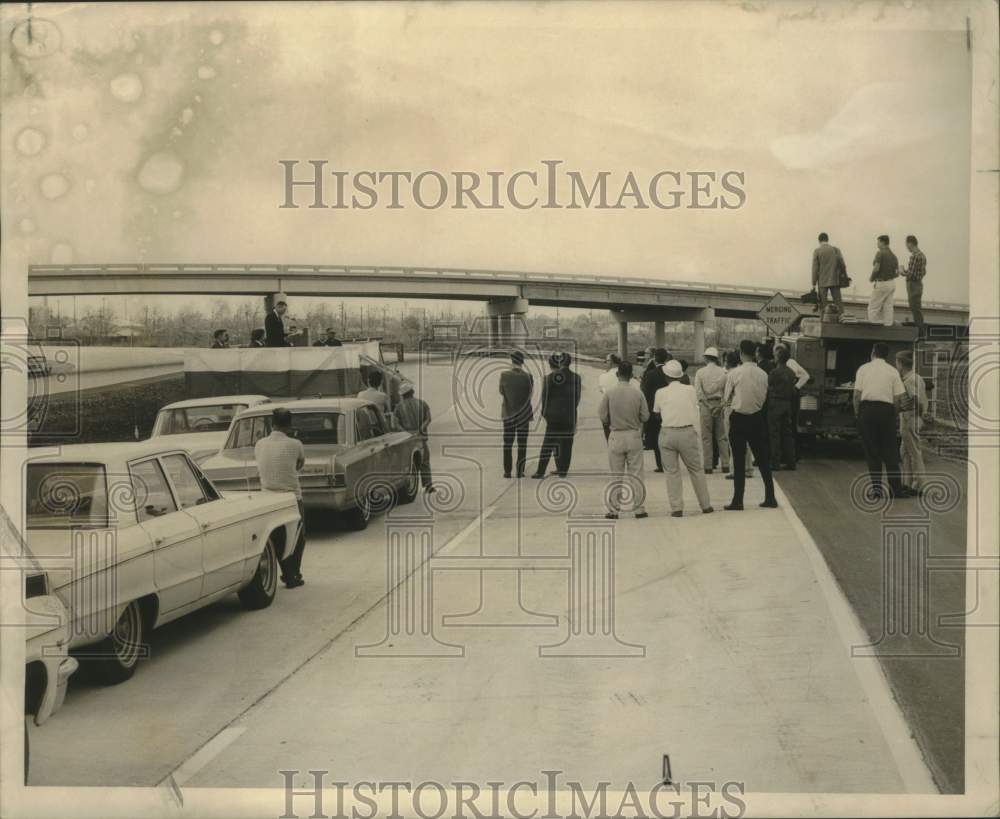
276 332
829 277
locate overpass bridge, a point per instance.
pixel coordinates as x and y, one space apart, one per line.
507 293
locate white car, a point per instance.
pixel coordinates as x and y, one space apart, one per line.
200 425
133 535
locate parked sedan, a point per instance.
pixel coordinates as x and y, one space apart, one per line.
356 457
133 535
199 425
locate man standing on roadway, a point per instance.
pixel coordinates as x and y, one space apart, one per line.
623 411
885 270
746 392
279 458
607 380
709 387
878 395
560 399
413 415
516 387
826 266
780 412
910 421
653 379
677 408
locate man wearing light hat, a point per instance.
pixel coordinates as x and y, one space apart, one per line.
709 387
413 415
677 407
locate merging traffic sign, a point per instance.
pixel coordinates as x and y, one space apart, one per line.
778 313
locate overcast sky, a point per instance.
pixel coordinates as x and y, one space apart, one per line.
154 133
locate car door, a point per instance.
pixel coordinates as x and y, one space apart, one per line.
222 523
176 536
366 458
398 449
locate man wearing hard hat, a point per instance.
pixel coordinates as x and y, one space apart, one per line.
709 387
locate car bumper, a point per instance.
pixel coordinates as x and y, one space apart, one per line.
338 498
58 670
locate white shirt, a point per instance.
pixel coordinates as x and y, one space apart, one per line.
746 388
878 380
677 405
278 458
609 379
710 383
801 376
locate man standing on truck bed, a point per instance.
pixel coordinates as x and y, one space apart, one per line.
914 274
826 266
878 394
885 269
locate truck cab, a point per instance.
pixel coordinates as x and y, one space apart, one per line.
831 353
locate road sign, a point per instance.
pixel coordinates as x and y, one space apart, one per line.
778 313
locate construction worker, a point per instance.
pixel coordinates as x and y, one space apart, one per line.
709 387
623 410
885 270
677 408
912 415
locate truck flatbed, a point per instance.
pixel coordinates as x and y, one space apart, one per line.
812 327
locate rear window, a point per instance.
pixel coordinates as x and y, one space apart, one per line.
308 427
209 418
60 495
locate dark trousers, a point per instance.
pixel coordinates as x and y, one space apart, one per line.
834 295
513 427
877 426
557 444
291 565
607 430
780 424
651 439
915 296
749 430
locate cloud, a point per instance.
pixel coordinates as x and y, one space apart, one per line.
878 119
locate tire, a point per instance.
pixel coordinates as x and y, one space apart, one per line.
259 593
116 657
408 491
360 516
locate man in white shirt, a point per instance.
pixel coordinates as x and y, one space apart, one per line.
607 380
710 387
746 393
623 410
878 395
801 379
677 407
279 458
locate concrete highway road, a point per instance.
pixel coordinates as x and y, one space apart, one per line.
722 640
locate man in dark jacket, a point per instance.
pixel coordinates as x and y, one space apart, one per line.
516 387
652 380
330 340
781 396
274 327
257 338
827 266
560 399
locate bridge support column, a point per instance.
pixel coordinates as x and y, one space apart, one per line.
623 340
699 341
507 325
660 333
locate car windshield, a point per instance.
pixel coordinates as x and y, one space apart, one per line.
308 427
60 495
208 418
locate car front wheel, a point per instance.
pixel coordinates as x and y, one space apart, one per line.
259 592
360 516
116 657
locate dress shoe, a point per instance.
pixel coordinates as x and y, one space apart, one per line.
506 475
708 510
769 504
520 474
676 514
658 469
295 582
709 471
538 476
733 507
612 516
729 476
641 515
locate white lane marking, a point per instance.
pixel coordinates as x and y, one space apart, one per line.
896 731
200 758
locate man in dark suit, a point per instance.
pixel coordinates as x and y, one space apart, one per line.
256 338
561 392
652 380
516 387
274 327
220 340
331 339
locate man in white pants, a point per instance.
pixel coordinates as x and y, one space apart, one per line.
677 406
623 412
885 270
709 387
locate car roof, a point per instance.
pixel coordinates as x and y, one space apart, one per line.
113 451
306 405
216 399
